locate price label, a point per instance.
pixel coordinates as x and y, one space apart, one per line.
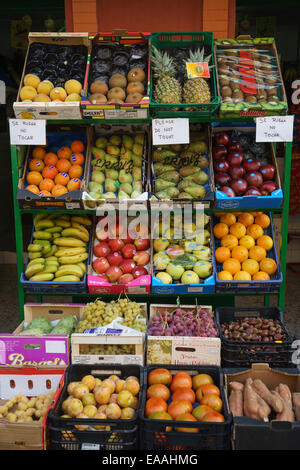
170 131
274 129
27 131
197 70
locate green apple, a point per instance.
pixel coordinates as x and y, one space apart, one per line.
98 176
137 174
95 187
190 277
136 160
112 174
202 253
137 186
123 195
101 142
138 149
125 177
160 244
110 160
127 155
127 141
96 196
161 262
108 195
110 185
126 187
203 269
113 150
99 154
135 194
115 140
175 270
139 139
165 278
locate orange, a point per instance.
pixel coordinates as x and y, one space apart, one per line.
266 242
34 177
225 276
222 253
261 276
246 218
238 230
45 193
220 230
63 165
73 184
46 184
62 178
268 265
263 220
50 159
49 172
36 165
247 241
33 188
77 158
77 146
251 266
229 241
257 252
240 253
75 171
242 276
58 190
64 152
232 265
228 219
38 152
255 231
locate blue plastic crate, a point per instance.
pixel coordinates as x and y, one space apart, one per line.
206 287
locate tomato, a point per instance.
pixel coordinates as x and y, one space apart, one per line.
201 379
159 376
158 391
155 404
200 411
213 416
160 415
179 407
181 380
205 389
212 400
184 394
186 417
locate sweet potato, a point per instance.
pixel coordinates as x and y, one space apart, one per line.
263 409
254 406
287 414
273 400
236 402
296 403
236 386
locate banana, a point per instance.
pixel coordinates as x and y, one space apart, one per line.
67 269
42 235
34 269
76 250
52 251
55 235
45 223
82 266
41 242
50 268
76 233
46 249
51 263
51 258
64 217
69 241
39 217
67 278
54 229
33 255
81 220
63 223
81 227
42 277
34 248
35 261
73 259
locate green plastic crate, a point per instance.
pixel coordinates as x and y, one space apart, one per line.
186 39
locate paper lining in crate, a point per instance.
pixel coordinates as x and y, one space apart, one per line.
113 343
30 382
52 109
190 350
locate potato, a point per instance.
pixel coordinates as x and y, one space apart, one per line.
39 404
22 406
30 412
32 402
12 418
4 410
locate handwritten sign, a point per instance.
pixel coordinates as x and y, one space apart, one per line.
170 131
197 70
27 132
274 129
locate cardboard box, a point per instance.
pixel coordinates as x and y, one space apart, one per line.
31 382
252 434
53 110
43 350
181 349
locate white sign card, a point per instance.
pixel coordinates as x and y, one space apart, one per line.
274 129
170 131
27 131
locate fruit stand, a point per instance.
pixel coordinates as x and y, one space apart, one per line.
177 322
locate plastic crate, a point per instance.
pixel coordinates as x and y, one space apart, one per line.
210 436
165 40
243 354
118 435
272 285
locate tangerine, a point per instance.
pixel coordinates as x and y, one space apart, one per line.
77 146
265 241
255 231
222 253
75 171
240 253
263 220
229 241
228 219
261 276
45 193
36 165
220 230
231 265
77 158
238 230
46 184
33 188
50 159
63 165
74 184
246 219
34 177
62 179
49 171
251 266
58 190
225 276
242 276
38 152
268 265
247 241
64 152
257 252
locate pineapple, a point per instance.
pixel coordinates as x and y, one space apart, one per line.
196 90
167 88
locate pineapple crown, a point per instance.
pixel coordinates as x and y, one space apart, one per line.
162 63
198 56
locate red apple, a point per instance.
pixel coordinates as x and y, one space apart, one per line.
222 138
222 178
222 166
219 151
102 234
268 172
252 164
254 178
116 244
239 186
127 266
268 187
142 243
228 191
141 258
139 271
125 278
234 146
127 239
113 273
115 258
253 191
237 172
235 159
128 250
100 265
101 249
103 277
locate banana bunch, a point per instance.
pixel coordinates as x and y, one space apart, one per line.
59 249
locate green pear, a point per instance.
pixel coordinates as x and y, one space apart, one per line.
125 177
127 155
199 178
108 195
95 187
162 195
123 195
112 174
138 149
110 160
137 186
170 176
198 147
161 184
196 191
136 160
188 170
127 142
110 185
137 174
98 176
101 142
202 162
172 192
115 140
126 187
167 153
113 150
184 184
157 155
98 153
184 195
139 139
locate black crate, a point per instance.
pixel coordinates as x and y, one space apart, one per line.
154 434
118 434
243 354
